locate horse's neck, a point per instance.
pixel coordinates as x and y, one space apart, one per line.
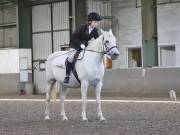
96 45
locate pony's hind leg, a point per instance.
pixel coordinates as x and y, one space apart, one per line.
62 94
49 85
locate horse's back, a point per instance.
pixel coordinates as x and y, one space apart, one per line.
57 54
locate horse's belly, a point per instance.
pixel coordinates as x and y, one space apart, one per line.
92 76
59 74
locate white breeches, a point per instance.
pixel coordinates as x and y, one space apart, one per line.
71 55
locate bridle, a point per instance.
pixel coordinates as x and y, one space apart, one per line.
106 49
106 46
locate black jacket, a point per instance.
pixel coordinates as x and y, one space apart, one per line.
81 36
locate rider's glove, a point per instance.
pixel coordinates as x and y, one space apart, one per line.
82 46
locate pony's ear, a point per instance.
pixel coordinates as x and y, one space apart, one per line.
101 31
110 30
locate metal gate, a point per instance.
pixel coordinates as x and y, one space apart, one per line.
50 31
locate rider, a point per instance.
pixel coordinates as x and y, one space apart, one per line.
80 38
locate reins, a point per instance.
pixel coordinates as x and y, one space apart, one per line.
105 50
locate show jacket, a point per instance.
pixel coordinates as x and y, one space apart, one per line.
81 36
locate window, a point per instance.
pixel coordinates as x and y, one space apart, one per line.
134 57
167 56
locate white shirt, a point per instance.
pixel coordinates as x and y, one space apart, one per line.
90 29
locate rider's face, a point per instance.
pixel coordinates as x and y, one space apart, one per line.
94 24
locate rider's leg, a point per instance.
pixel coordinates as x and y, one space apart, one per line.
71 59
68 71
76 55
69 65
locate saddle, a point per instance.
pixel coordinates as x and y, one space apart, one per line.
62 64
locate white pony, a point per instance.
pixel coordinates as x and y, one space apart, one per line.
90 70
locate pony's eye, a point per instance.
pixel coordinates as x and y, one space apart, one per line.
107 41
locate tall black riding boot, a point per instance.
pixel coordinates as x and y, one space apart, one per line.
68 72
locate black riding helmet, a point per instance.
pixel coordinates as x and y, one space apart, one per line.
93 16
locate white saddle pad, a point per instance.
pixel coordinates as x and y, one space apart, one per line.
59 59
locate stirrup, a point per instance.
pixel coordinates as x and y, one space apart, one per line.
66 79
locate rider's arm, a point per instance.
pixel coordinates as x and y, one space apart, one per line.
76 35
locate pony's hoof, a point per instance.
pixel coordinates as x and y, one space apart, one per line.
65 119
85 119
47 118
102 119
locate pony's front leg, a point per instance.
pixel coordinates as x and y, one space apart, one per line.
62 94
48 98
84 87
98 87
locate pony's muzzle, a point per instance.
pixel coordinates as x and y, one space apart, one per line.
114 56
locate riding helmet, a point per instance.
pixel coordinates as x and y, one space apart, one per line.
93 16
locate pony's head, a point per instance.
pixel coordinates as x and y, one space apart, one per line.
110 44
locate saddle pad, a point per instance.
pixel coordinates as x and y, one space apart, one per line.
59 60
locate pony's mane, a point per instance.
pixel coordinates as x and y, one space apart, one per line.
95 41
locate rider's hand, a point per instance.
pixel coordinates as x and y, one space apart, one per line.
82 46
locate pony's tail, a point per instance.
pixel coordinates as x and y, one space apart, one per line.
54 91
